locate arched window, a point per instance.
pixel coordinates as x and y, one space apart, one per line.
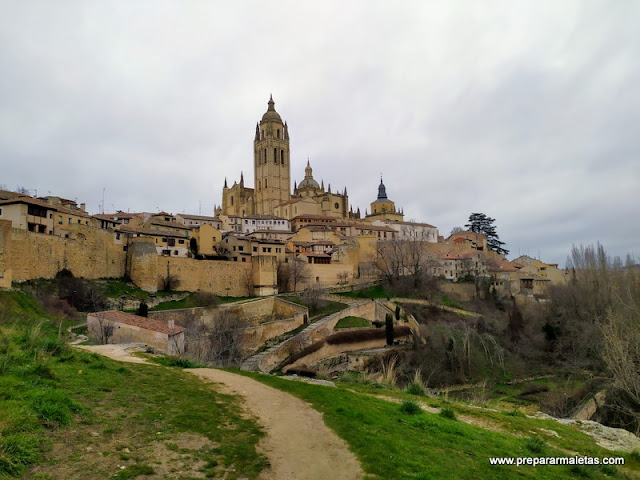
259 184
231 199
275 155
265 155
265 183
278 133
282 157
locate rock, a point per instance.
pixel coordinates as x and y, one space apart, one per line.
126 450
94 434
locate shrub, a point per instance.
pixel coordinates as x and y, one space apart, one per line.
535 445
53 407
448 412
410 407
388 324
415 389
364 334
16 453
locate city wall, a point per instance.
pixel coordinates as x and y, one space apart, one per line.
88 253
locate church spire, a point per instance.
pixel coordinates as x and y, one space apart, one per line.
271 104
241 179
225 182
382 191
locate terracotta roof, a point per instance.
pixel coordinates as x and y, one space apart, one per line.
148 231
136 321
197 217
313 217
34 201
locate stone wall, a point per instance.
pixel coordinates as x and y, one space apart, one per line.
329 351
326 275
312 335
269 317
88 252
218 277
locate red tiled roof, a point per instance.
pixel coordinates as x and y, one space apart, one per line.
34 201
136 321
150 232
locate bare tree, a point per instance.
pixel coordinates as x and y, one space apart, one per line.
299 272
313 298
406 256
343 278
102 330
219 342
170 281
247 282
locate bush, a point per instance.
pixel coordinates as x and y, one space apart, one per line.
448 412
535 445
415 389
410 407
53 407
16 453
364 335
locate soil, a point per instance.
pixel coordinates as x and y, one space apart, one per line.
298 444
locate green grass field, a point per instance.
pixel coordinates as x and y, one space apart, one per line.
352 322
65 413
391 441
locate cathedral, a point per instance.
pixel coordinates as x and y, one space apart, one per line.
272 195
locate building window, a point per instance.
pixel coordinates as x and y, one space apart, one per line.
255 249
231 200
59 219
0 211
244 259
181 241
282 157
275 155
69 220
278 133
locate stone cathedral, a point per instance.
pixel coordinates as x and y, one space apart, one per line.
271 194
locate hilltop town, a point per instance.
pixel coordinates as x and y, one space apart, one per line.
261 240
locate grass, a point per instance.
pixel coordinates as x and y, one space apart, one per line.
377 291
352 322
450 302
191 301
57 402
392 443
325 308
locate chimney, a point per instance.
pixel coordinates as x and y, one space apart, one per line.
171 325
83 207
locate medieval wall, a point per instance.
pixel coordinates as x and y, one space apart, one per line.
88 252
218 277
327 275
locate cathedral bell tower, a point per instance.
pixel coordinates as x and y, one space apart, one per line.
271 162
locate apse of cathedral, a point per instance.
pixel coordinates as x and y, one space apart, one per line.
271 194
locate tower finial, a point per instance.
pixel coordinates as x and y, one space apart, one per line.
271 103
225 182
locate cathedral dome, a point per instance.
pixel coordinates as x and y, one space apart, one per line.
271 115
308 181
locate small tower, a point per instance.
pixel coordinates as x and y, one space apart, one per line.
382 207
271 162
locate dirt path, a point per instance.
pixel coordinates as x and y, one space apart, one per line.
121 352
298 443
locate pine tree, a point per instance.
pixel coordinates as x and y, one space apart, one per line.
481 223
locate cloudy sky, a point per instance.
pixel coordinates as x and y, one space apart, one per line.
528 111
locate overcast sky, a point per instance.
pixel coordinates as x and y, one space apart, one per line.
528 111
